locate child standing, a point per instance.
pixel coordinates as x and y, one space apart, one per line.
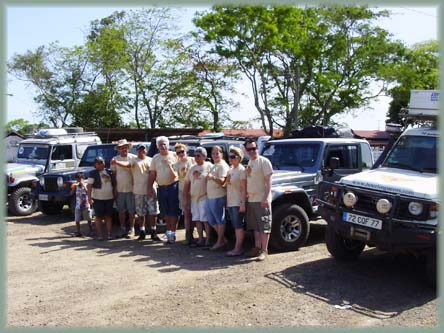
82 209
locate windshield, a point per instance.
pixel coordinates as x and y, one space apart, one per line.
416 153
292 156
33 152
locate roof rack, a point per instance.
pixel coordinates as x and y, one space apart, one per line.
222 136
46 135
185 136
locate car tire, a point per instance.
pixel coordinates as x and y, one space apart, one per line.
50 208
431 268
21 202
289 229
342 248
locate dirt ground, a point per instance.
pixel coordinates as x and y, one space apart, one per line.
57 280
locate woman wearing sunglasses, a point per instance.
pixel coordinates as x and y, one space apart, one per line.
217 197
181 167
236 197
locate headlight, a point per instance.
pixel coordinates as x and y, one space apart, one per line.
350 199
42 181
60 181
415 208
383 206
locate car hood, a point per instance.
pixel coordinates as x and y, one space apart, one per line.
397 181
71 172
283 177
21 168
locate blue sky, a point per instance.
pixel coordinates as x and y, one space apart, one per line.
30 27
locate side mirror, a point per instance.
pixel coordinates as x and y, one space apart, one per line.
333 163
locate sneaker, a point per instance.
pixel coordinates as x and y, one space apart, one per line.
171 238
154 236
253 252
141 235
79 234
262 256
131 233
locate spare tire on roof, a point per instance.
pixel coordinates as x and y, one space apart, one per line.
315 131
74 129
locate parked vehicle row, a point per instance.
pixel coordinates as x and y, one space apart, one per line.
392 205
49 150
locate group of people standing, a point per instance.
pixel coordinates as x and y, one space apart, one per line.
173 183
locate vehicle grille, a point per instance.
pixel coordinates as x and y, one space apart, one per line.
51 184
367 203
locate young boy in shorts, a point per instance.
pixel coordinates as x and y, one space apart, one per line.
82 208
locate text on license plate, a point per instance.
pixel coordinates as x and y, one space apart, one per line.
43 197
362 220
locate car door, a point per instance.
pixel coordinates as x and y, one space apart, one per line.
349 160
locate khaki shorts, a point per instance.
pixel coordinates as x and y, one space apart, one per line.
258 218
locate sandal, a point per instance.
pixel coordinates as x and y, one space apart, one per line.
218 248
233 254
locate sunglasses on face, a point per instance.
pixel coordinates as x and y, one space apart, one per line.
251 149
232 157
180 152
197 155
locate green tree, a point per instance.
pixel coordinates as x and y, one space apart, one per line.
58 76
417 69
22 126
304 65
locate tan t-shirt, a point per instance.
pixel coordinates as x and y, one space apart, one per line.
256 171
124 178
197 176
234 178
106 191
182 169
219 170
140 170
159 164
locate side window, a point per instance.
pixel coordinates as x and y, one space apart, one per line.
61 153
367 156
347 154
80 149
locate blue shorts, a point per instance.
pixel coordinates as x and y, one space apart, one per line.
169 199
216 210
125 202
103 208
237 219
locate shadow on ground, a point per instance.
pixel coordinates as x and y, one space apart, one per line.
378 285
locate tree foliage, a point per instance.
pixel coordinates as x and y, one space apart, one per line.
417 69
304 64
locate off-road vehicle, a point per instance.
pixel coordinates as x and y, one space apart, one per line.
48 150
299 165
393 207
53 189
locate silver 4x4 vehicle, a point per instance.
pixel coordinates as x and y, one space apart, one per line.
393 207
298 167
48 150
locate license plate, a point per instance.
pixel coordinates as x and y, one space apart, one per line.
43 197
362 220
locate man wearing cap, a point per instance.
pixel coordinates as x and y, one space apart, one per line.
140 167
163 173
124 186
195 188
101 196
